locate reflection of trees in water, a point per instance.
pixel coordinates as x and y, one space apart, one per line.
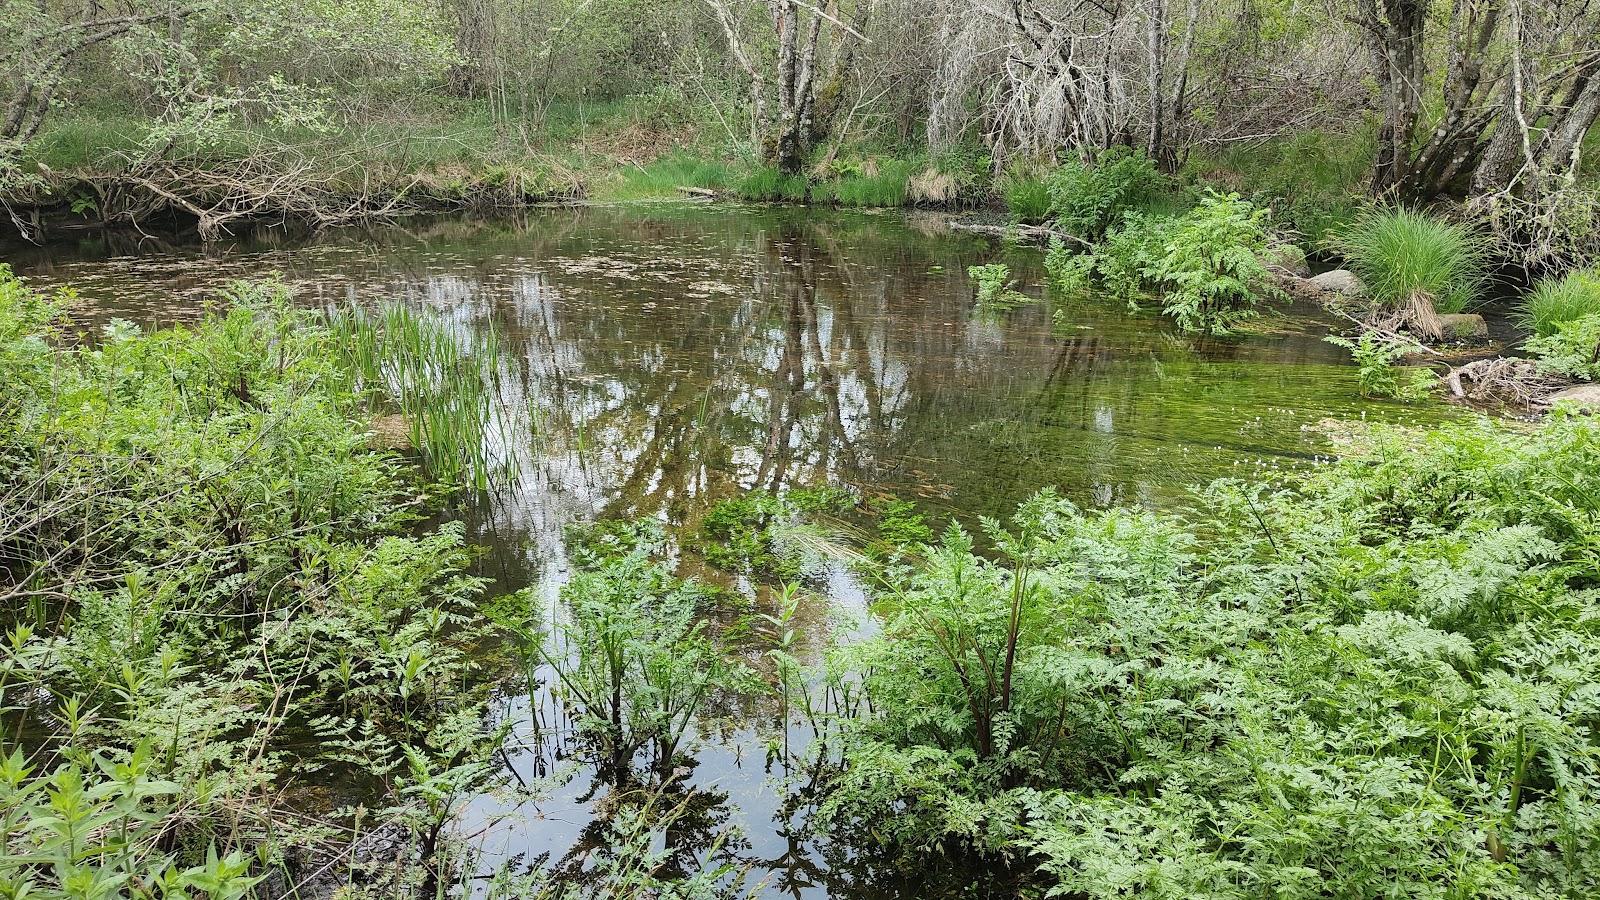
677 355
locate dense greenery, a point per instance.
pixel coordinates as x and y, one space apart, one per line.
1556 301
1205 266
328 113
1378 682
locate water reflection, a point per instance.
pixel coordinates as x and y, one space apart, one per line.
672 356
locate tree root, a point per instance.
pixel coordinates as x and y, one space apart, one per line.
1503 380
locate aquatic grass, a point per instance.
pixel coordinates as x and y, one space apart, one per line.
448 389
1405 257
1556 301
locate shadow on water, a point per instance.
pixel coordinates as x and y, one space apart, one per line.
672 356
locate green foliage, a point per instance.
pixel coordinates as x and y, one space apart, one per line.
1314 181
1085 200
1027 196
758 533
1374 683
661 178
995 287
446 390
633 662
1555 301
1212 271
255 605
1572 351
1206 265
878 182
767 184
1405 257
1377 374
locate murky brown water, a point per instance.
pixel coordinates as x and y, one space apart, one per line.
674 355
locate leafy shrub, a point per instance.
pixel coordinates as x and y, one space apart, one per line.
1067 269
254 565
1087 199
1377 374
1554 301
1128 261
995 285
1212 273
633 662
1205 265
1405 257
1572 351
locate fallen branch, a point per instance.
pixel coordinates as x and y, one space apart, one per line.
1041 234
1502 379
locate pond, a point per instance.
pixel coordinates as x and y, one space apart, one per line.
674 355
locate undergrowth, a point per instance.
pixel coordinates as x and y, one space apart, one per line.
1375 682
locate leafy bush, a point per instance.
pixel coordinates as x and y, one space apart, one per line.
1405 257
1206 265
1554 301
1086 200
1377 374
254 578
1376 683
256 608
1572 351
995 285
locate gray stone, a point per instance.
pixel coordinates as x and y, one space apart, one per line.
1584 396
1463 326
1289 260
1341 281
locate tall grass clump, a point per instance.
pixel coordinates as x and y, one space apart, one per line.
1027 196
767 184
445 384
1555 301
1410 259
874 183
663 177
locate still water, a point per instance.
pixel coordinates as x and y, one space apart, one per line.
674 355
